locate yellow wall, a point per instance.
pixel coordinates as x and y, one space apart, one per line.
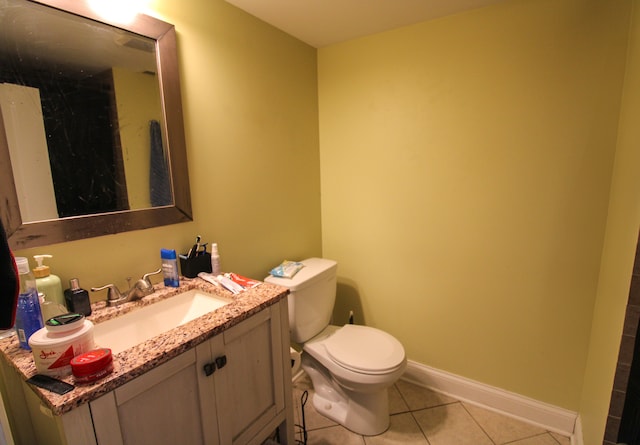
618 253
138 101
250 110
465 167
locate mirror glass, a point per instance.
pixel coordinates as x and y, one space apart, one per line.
91 124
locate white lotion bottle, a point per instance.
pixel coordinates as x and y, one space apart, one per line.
215 260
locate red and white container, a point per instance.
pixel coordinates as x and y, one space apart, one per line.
92 365
62 338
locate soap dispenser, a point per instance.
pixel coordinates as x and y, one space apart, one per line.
46 282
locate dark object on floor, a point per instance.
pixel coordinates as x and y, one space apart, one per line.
303 427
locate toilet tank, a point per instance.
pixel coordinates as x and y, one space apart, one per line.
311 298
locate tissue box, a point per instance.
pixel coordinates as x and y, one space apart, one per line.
191 267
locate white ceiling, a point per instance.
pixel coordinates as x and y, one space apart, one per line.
324 22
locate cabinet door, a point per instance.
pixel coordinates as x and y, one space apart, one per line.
160 407
249 388
228 390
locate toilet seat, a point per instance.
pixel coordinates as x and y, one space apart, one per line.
364 349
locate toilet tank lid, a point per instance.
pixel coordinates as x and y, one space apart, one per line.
314 269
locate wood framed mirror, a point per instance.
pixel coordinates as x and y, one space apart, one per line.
91 127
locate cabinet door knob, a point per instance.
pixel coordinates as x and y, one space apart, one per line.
221 361
209 368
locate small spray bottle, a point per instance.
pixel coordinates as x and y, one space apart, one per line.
215 260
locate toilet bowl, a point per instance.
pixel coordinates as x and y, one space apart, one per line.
360 358
351 367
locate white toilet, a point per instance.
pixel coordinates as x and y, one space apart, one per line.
351 367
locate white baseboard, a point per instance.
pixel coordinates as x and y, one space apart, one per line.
577 438
547 416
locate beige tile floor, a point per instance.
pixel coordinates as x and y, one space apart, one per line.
424 417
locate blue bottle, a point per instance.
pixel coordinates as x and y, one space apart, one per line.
28 313
170 267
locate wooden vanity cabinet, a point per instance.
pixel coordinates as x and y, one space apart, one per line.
249 387
232 389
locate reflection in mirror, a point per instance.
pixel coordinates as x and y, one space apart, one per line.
92 124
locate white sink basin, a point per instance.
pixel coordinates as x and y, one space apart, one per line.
140 325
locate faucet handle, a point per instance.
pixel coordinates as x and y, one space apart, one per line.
143 285
113 293
146 276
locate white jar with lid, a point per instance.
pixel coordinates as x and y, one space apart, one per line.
63 337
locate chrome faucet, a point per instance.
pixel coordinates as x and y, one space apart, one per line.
141 288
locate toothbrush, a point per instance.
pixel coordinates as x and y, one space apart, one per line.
194 248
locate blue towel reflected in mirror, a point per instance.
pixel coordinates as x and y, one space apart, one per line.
159 179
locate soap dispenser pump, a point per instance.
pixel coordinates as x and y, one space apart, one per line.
46 282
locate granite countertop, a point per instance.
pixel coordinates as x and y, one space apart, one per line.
139 359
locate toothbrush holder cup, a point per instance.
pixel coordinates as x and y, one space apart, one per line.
191 267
